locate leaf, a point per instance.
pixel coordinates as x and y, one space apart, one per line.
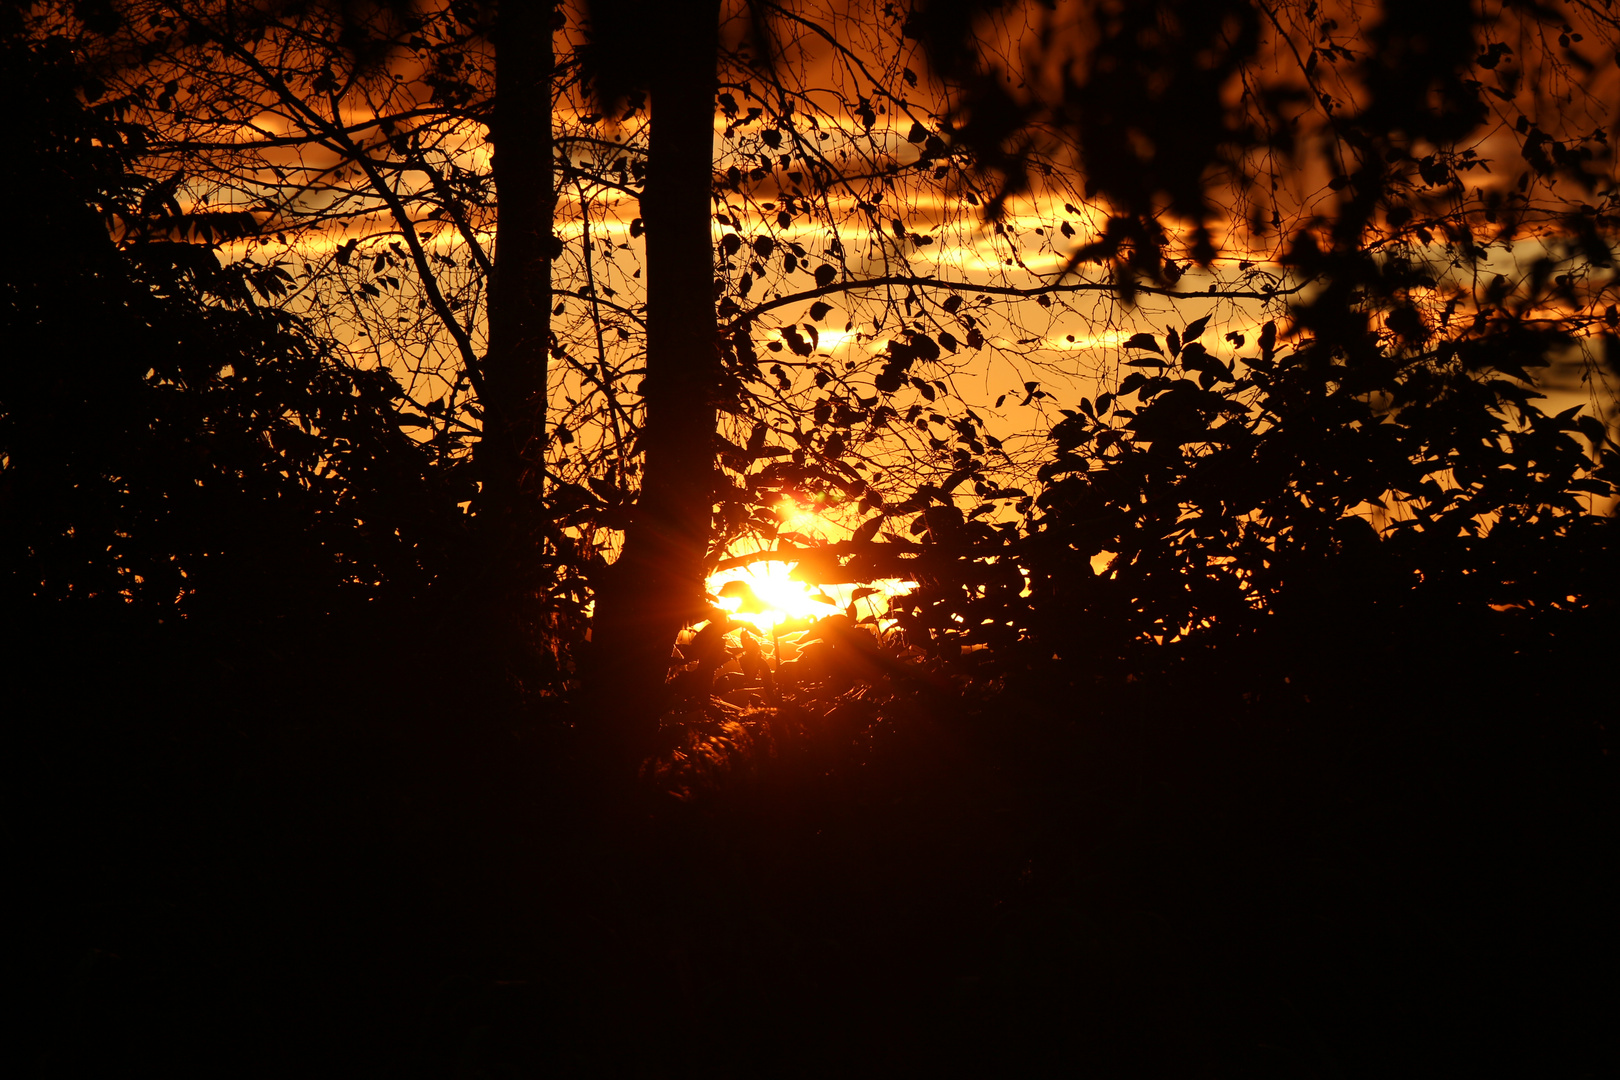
1194 357
1194 329
1144 341
1593 429
824 276
819 311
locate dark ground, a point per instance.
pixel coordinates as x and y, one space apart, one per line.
238 863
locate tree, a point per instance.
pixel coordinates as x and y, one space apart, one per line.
174 448
1373 479
1185 144
402 154
669 51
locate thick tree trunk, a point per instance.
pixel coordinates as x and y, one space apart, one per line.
657 583
520 290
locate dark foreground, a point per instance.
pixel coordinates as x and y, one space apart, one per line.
239 863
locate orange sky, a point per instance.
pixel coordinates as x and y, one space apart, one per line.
1070 349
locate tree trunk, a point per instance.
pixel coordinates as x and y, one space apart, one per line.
657 584
520 288
501 587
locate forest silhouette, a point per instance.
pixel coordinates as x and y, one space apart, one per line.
398 397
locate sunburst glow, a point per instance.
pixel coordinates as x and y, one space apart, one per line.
802 519
765 596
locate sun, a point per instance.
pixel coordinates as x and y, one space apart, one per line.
765 595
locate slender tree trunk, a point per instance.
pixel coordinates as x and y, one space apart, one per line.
657 584
501 586
520 290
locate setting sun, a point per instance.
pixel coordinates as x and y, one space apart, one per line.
766 595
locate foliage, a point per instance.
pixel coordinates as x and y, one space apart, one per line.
1252 504
1343 198
171 444
1379 471
1246 719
